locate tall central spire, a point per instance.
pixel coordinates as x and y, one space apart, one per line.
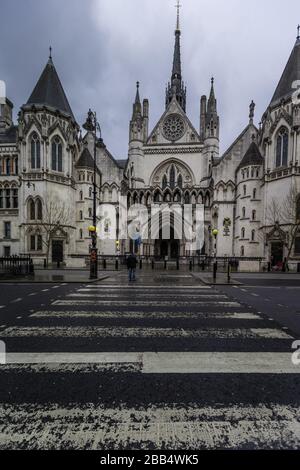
176 86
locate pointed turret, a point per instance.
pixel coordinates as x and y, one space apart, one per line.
139 117
176 86
287 84
49 91
137 107
212 118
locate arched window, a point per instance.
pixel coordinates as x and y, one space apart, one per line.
245 190
164 182
57 154
244 212
172 177
81 195
243 233
254 193
35 152
179 181
81 234
90 192
31 210
242 251
15 199
80 215
282 147
254 215
39 209
8 166
90 212
157 197
253 235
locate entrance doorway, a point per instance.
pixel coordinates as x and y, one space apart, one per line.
57 251
276 253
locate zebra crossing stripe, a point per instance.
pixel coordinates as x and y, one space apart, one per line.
141 303
170 363
170 427
214 362
74 358
121 332
145 295
155 315
135 286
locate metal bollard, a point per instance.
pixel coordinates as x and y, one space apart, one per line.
215 271
104 264
191 265
117 265
141 264
45 263
152 264
177 264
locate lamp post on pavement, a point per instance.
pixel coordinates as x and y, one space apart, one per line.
92 125
215 233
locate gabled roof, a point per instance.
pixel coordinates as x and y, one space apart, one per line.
9 136
290 75
85 160
251 157
49 91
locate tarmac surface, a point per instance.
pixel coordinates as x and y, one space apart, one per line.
163 363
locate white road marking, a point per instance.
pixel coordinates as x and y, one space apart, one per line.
172 362
45 290
121 332
143 304
255 295
16 300
34 293
134 287
73 358
146 295
214 362
160 315
2 306
176 426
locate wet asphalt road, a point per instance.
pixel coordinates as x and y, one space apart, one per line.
130 398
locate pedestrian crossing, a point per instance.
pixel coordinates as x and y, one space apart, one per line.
184 366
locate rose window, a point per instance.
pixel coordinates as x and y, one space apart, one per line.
173 127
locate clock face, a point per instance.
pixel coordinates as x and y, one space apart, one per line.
173 127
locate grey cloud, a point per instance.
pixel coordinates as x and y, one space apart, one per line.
102 47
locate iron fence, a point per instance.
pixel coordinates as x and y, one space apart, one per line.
18 265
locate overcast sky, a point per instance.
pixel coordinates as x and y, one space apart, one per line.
102 47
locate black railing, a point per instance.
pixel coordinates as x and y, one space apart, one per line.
21 265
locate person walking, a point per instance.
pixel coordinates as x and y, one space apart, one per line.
131 266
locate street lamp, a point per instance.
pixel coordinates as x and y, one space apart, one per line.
215 233
92 125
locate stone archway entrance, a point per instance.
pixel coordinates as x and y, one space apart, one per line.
169 248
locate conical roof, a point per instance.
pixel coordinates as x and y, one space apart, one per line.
49 91
252 156
290 75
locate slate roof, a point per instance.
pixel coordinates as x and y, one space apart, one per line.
291 74
49 91
9 136
121 163
85 160
252 157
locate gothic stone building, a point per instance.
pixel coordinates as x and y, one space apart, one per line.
46 174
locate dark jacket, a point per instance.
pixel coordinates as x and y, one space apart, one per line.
131 262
